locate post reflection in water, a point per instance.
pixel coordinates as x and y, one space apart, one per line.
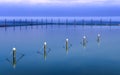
14 59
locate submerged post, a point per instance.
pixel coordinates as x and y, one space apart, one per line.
14 57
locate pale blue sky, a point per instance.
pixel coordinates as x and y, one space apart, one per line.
60 7
62 2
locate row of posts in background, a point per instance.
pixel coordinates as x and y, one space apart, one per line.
45 49
56 21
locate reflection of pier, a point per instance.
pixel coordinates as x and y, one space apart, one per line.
15 58
56 21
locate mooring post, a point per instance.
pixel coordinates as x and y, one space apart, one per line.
59 21
98 38
66 21
5 22
84 41
41 21
20 23
14 23
110 22
75 22
31 23
37 23
26 23
46 22
45 47
101 22
91 21
14 57
51 21
67 45
5 25
83 22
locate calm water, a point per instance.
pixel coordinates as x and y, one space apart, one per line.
94 58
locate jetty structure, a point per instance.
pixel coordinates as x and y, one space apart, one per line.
31 21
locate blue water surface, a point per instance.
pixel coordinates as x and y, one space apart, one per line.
95 58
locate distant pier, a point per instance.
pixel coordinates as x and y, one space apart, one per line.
7 22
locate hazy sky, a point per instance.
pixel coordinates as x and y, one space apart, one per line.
60 7
62 2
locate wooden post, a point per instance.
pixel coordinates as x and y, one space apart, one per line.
14 57
98 38
84 41
75 22
66 21
101 21
5 25
14 23
67 45
91 21
45 47
83 22
31 23
110 22
26 23
20 24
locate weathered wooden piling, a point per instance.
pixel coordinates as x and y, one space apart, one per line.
84 41
14 57
98 38
14 23
67 44
45 48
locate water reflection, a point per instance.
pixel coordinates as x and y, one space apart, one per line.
15 58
